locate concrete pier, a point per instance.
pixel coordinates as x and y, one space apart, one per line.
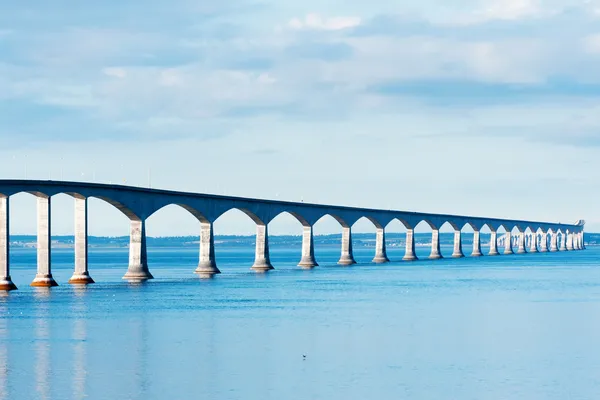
563 243
476 244
308 260
508 243
43 278
533 245
380 251
544 242
457 252
570 242
207 265
521 242
81 275
435 245
138 257
6 283
409 252
347 257
262 260
554 242
494 244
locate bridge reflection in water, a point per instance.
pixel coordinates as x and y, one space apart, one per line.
138 204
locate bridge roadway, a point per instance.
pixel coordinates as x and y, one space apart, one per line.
140 203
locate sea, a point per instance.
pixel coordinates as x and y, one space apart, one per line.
506 327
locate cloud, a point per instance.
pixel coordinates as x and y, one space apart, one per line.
115 72
591 43
511 9
317 22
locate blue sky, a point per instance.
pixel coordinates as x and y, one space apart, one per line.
484 107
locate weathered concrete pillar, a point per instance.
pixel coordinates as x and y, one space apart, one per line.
494 244
576 244
262 260
563 242
554 242
43 277
533 246
81 274
138 257
6 283
521 241
570 241
508 242
409 253
308 249
582 240
458 252
347 258
207 265
380 252
476 244
544 242
435 245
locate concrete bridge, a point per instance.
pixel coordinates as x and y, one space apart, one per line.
140 203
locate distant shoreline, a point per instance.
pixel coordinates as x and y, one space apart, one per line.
393 240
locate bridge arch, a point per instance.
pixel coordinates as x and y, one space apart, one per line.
290 225
365 248
237 250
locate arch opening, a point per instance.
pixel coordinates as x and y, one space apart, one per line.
328 239
364 237
395 239
422 238
235 239
285 239
173 240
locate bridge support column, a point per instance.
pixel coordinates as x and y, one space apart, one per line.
81 274
570 241
533 245
563 243
308 248
43 277
476 244
262 259
544 242
458 252
435 245
494 244
521 241
576 241
347 258
6 282
380 251
207 265
138 257
508 241
409 253
582 240
554 242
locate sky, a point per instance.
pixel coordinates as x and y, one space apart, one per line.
478 107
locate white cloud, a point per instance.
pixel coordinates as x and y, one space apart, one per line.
115 72
591 43
317 22
512 9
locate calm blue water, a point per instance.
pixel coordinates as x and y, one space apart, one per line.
509 327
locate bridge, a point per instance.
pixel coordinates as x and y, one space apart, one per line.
140 203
